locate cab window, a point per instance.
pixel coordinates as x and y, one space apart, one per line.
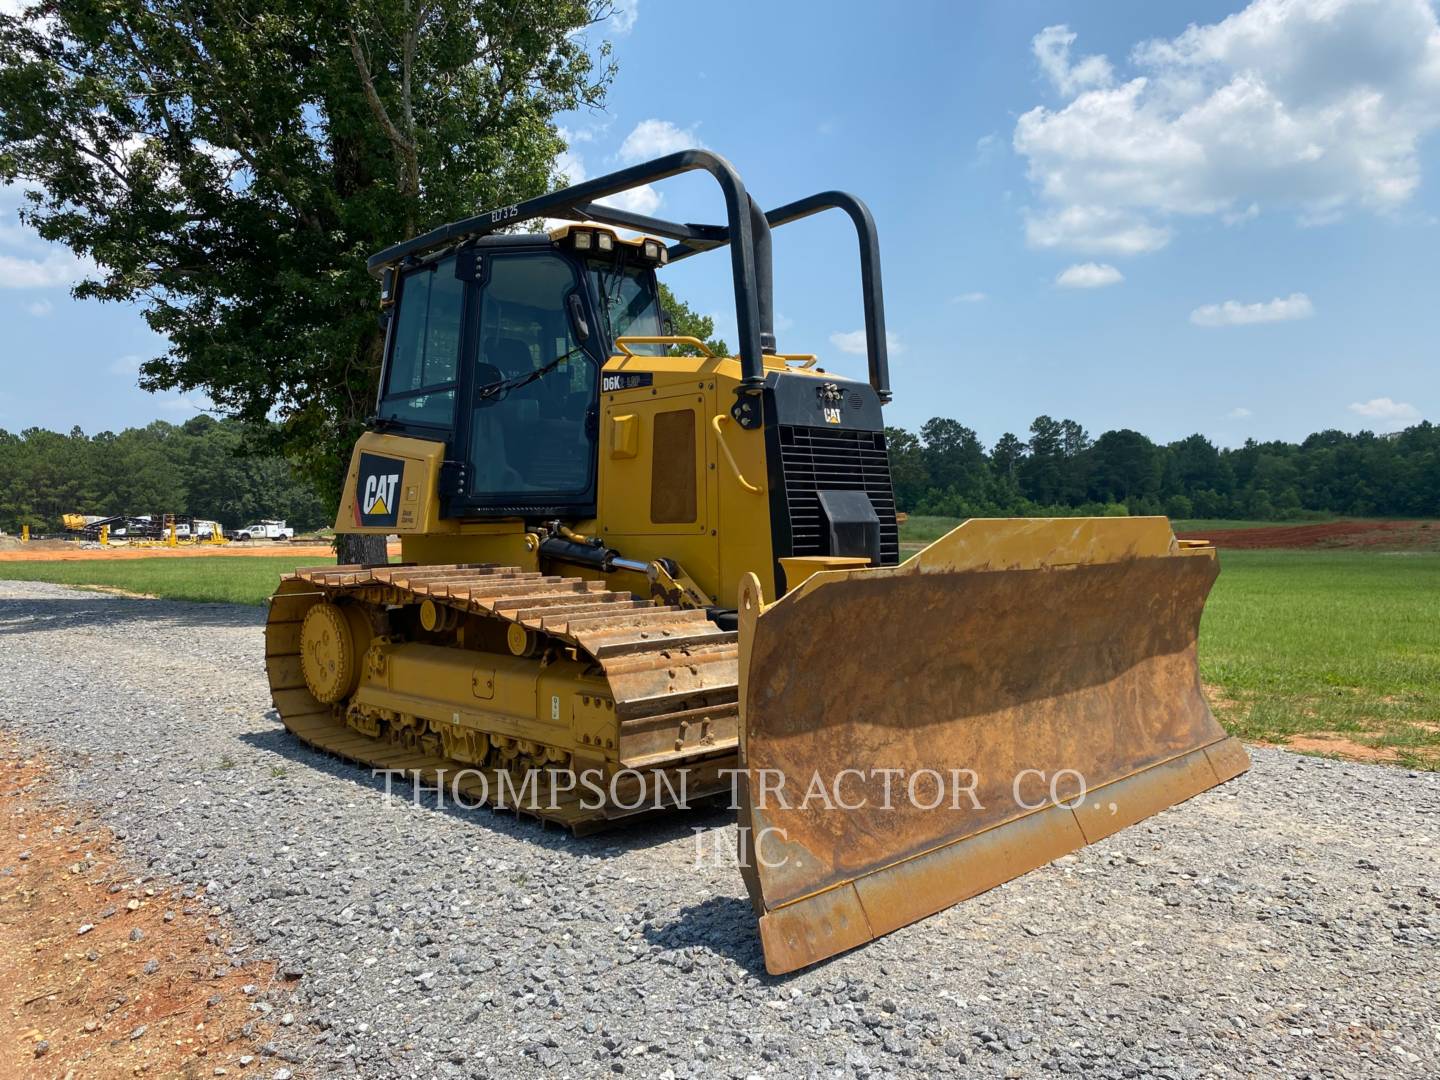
628 304
425 347
533 389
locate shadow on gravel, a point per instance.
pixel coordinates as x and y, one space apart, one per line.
63 613
723 925
632 834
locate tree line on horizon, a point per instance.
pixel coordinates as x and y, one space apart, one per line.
207 468
1060 470
202 468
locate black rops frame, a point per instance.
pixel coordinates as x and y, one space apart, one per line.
747 233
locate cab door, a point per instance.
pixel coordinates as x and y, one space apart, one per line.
529 413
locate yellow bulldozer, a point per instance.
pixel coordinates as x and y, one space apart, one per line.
648 575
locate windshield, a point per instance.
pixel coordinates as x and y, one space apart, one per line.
628 304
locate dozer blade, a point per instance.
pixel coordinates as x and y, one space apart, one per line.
915 735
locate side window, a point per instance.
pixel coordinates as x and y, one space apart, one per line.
425 349
629 305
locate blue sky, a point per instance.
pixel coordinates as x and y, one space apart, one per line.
1173 217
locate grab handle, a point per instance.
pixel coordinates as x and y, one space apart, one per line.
716 422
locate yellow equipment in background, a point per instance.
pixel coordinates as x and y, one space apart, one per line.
648 574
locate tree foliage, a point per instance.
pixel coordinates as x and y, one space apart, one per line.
685 321
230 166
198 469
202 469
1060 470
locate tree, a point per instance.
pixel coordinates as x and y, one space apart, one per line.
954 457
1007 455
231 166
908 475
1074 439
1196 463
200 469
685 321
1127 468
1075 469
1042 477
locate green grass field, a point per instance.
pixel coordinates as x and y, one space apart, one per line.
923 530
209 578
1340 644
1324 645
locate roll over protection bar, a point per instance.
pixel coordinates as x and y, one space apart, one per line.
746 232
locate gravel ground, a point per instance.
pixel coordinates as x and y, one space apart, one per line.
1285 925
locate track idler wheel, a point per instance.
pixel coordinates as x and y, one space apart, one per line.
330 652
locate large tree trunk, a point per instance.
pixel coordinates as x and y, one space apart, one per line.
351 548
355 548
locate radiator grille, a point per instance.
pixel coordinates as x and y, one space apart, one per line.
817 459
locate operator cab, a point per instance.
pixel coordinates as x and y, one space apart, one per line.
496 348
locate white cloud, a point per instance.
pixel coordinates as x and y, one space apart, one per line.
642 200
1239 217
1051 47
853 341
1233 313
127 365
571 166
969 298
37 20
1088 276
27 261
40 308
1314 107
1386 411
655 138
1239 413
196 403
622 19
57 266
1095 228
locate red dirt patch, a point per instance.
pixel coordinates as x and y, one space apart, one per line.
1334 742
1392 535
75 998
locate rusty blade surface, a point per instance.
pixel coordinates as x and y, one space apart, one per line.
908 733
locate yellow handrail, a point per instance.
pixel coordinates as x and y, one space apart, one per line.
623 343
725 449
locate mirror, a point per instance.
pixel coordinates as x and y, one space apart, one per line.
578 322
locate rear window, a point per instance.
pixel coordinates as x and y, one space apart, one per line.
425 347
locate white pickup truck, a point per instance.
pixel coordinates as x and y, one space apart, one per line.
265 530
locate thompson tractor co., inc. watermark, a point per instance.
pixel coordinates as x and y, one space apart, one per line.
635 790
767 795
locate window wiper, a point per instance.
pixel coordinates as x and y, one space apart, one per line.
611 284
497 390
